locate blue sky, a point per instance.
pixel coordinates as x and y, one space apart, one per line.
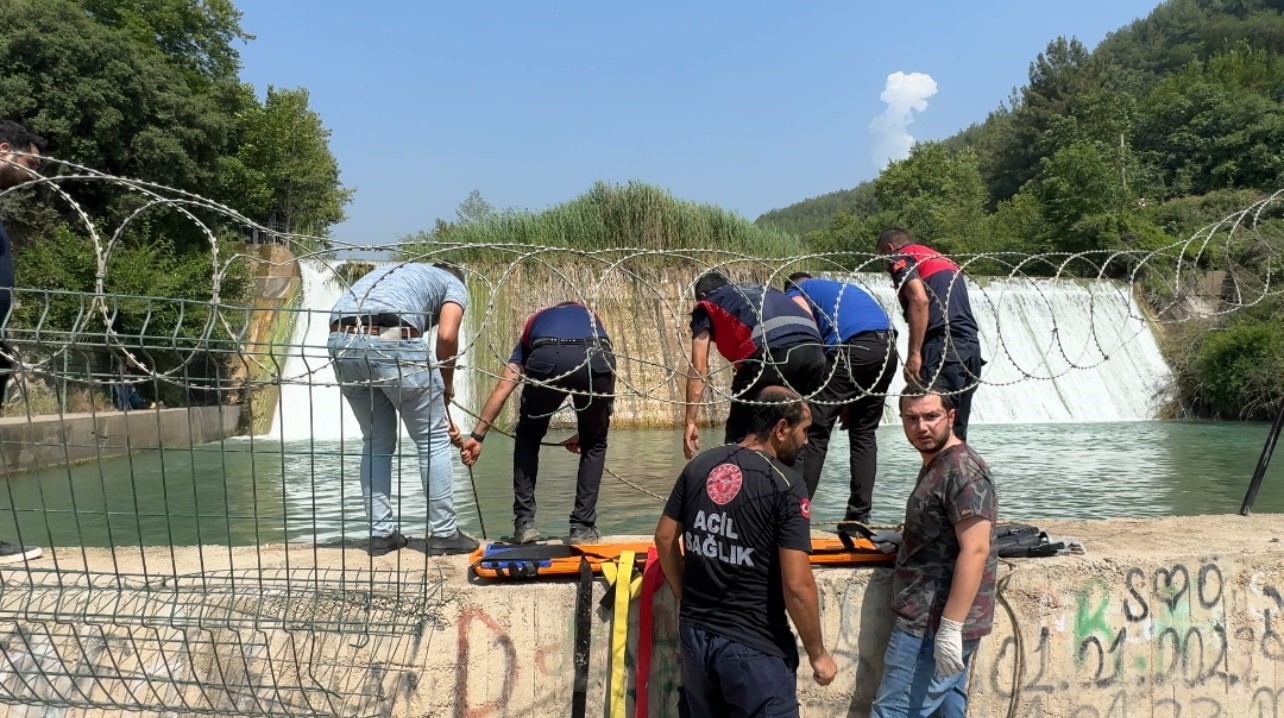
748 105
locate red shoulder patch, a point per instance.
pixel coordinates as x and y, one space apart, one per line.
804 507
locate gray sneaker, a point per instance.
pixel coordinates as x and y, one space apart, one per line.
13 553
585 534
380 545
525 533
448 545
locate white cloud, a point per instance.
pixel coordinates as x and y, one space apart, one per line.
904 95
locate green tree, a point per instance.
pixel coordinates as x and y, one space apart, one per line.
285 147
197 36
937 194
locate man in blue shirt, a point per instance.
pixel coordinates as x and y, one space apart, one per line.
563 351
861 352
19 159
384 369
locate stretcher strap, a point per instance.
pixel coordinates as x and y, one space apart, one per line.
652 580
621 575
583 638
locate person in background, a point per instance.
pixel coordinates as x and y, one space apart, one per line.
944 581
944 351
744 518
20 152
384 368
770 340
861 349
563 351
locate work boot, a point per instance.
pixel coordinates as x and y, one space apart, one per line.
525 532
380 545
447 545
13 553
585 534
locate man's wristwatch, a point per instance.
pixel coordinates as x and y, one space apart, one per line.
479 438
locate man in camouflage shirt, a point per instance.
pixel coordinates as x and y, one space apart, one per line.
943 587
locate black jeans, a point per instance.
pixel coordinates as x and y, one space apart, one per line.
860 370
800 367
952 364
565 368
722 677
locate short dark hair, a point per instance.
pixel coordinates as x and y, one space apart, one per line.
454 269
771 404
19 137
948 401
795 279
710 282
893 238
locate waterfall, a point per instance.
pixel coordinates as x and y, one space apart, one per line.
1064 350
311 406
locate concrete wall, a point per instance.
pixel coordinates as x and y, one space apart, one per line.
1163 618
53 440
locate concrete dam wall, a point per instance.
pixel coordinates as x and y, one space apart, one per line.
1158 619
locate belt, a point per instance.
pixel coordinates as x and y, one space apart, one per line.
881 333
374 324
602 342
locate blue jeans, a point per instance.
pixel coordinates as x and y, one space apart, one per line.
381 378
911 688
725 679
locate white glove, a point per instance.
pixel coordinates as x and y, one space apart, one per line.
949 648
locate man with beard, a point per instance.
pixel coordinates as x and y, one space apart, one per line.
943 585
19 159
744 516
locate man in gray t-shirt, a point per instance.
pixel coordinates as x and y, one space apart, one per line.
385 368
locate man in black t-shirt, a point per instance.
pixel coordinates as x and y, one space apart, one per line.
743 514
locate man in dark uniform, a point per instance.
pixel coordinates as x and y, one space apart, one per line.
944 582
563 351
745 520
771 341
861 349
943 351
19 159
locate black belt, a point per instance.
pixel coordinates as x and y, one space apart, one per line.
588 342
374 324
881 333
374 320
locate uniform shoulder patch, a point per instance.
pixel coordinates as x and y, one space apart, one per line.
724 483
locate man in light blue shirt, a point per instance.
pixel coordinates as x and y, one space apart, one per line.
385 368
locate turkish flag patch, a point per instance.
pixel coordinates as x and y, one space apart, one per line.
804 507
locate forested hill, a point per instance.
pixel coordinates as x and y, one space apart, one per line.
1171 123
1183 102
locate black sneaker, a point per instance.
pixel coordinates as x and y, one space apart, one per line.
525 533
380 545
585 534
447 545
13 553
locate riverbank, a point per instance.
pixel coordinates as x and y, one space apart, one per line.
1175 613
46 440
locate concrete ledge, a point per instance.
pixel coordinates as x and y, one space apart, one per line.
56 440
1166 617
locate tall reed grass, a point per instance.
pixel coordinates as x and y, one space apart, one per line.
608 216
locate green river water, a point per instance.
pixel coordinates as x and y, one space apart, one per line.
245 491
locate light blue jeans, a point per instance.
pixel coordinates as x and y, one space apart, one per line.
910 686
381 378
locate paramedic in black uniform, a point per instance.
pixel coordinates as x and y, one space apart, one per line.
563 351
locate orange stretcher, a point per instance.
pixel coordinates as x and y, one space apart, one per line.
514 561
